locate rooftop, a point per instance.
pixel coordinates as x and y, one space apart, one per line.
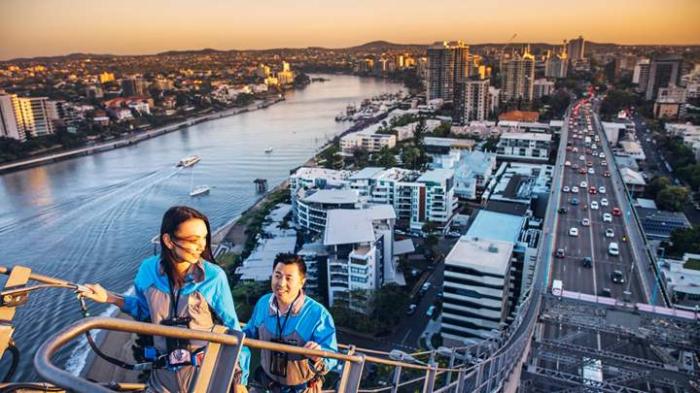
436 176
488 256
369 172
448 142
347 226
493 225
333 196
532 136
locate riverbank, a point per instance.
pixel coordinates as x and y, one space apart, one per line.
135 139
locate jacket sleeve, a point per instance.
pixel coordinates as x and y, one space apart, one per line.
324 335
251 327
225 310
136 304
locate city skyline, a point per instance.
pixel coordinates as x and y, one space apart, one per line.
32 28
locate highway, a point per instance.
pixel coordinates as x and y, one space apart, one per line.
591 241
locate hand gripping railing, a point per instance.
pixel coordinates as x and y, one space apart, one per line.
216 371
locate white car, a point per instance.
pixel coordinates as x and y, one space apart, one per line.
601 155
591 171
582 157
565 189
594 205
609 232
584 184
575 149
574 189
567 163
573 232
607 217
604 202
601 189
586 222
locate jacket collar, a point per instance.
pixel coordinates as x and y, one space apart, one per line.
196 273
296 307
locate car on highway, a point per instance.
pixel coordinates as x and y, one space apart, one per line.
574 166
584 184
562 210
604 163
607 217
591 171
606 292
568 148
606 174
587 262
411 309
574 149
616 211
609 232
431 311
592 190
582 171
567 163
604 202
560 253
613 249
574 189
617 277
586 222
601 155
582 157
602 189
574 201
589 164
573 232
565 189
424 289
594 205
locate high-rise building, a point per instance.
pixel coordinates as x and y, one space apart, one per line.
10 127
447 66
663 72
543 87
640 77
471 101
576 48
134 86
557 64
518 76
34 116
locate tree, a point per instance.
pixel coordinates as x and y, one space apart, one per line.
385 158
684 240
443 130
616 100
490 144
360 157
672 198
410 156
657 184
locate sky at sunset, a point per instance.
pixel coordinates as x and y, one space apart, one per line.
55 27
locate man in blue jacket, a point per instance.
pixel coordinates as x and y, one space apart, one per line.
289 317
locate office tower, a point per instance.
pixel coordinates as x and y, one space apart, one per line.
663 72
10 127
471 101
576 48
557 64
640 77
543 87
518 76
447 65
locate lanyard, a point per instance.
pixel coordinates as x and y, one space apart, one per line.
174 298
280 327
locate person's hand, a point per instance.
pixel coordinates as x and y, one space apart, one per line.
96 293
313 345
240 389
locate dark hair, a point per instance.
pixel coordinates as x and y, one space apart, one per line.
172 219
288 258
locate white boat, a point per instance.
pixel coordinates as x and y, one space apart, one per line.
200 190
188 161
268 150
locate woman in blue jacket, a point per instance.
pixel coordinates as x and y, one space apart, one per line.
180 287
288 316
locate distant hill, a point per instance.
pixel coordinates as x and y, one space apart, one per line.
379 45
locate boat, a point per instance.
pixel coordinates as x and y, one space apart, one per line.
200 190
268 150
188 161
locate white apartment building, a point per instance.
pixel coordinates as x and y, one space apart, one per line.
524 146
360 253
368 141
10 127
476 289
34 116
310 207
433 198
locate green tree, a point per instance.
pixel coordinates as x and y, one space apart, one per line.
684 240
443 130
490 144
360 157
672 198
657 184
410 156
385 158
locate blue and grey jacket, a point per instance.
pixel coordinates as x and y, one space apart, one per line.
206 290
308 321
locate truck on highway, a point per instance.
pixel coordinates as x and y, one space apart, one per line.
557 287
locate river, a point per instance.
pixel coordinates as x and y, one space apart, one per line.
90 219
